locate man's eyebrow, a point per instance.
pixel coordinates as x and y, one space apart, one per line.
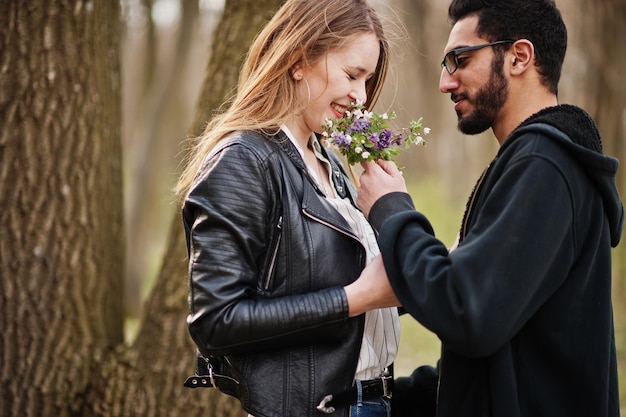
457 47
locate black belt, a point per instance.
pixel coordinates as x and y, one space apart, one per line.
373 388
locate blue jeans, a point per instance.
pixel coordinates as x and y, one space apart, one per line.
378 407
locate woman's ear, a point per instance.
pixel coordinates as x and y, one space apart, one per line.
296 72
523 56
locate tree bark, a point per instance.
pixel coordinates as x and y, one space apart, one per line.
61 227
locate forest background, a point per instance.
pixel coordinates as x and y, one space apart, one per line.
96 100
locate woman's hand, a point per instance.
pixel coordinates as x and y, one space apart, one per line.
371 290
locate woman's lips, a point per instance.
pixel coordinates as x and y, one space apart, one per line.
338 110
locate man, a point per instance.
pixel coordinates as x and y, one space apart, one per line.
523 304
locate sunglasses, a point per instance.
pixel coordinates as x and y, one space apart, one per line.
451 60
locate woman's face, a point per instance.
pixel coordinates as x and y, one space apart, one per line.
335 81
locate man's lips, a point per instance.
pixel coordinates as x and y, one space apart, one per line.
457 99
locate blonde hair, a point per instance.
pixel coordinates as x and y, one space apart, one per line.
300 33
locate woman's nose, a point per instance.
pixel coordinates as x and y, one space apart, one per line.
359 93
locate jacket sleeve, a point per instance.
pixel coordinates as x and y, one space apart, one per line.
515 256
228 223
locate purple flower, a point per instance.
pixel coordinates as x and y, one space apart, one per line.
341 140
359 125
381 140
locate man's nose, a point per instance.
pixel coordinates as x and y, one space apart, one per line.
447 82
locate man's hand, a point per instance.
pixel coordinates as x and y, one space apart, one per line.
371 290
378 178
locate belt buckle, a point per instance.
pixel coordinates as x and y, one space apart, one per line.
387 390
322 405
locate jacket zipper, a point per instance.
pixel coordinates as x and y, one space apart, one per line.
270 270
317 219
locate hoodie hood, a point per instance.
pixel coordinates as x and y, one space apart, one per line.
575 129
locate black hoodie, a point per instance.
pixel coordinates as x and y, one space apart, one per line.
523 305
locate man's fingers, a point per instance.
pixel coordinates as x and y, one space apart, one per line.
389 167
368 165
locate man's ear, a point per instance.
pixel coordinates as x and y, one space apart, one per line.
523 56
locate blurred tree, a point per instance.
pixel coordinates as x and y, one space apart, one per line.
150 62
593 78
603 94
61 222
152 138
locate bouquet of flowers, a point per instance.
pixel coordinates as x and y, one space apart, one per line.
362 135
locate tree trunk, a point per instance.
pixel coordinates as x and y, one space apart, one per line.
61 226
61 233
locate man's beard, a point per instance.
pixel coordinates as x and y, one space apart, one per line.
487 102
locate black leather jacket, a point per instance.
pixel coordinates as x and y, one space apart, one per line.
267 261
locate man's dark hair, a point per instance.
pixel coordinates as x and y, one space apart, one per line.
539 21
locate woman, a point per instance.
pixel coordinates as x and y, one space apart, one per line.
272 229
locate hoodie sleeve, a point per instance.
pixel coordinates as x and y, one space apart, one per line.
388 205
477 297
